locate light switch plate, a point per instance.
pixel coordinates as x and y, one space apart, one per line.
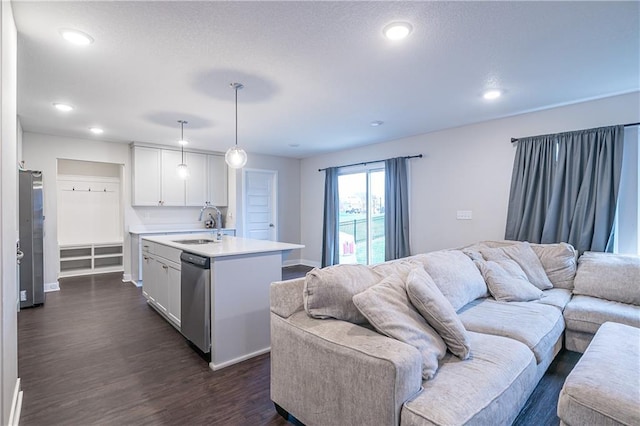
464 215
23 295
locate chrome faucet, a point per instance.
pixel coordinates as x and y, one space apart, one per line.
218 219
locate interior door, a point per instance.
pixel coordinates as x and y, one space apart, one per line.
260 204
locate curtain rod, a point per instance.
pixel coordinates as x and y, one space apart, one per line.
369 162
624 125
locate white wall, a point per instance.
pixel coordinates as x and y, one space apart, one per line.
465 168
288 197
8 212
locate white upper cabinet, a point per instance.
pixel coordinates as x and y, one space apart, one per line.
156 181
197 193
146 176
217 180
173 186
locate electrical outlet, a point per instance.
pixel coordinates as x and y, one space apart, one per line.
464 215
23 295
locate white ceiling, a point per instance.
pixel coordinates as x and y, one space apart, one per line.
315 73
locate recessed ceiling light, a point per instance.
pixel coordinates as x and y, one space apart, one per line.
183 142
96 130
63 107
76 37
377 123
492 94
397 30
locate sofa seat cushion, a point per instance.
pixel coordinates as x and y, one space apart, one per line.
603 387
558 297
536 325
490 387
586 314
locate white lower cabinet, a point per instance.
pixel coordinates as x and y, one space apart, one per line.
161 274
173 310
161 283
148 287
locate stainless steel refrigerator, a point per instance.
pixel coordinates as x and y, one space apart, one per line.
31 219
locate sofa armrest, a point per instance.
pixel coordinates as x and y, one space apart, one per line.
286 297
334 372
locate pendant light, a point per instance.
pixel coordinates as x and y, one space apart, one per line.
183 171
236 157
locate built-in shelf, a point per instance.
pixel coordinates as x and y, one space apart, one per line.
86 259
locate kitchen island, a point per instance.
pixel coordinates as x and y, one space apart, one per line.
241 272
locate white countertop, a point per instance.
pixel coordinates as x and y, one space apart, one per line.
165 229
229 246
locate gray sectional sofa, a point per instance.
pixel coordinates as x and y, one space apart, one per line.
330 365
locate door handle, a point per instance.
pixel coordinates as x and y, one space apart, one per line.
19 256
271 225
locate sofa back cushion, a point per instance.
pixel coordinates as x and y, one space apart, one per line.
609 276
387 307
455 275
328 292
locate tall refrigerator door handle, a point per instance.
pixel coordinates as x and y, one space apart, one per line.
19 256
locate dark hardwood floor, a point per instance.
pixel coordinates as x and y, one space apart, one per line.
295 271
95 353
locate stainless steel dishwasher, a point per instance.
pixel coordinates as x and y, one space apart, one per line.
195 300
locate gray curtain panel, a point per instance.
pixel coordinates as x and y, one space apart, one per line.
531 182
572 200
331 225
396 205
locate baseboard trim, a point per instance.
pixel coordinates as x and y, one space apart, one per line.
49 287
311 263
215 367
291 262
128 278
16 405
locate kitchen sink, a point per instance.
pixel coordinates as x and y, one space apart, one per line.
196 242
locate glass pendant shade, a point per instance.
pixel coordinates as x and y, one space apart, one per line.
183 171
236 157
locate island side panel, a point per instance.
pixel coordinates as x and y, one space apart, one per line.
240 306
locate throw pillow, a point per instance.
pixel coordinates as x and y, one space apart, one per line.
455 275
387 307
559 262
525 257
328 292
436 309
507 282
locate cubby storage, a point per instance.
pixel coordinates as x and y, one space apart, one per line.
88 259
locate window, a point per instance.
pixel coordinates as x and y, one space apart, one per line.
627 229
361 214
